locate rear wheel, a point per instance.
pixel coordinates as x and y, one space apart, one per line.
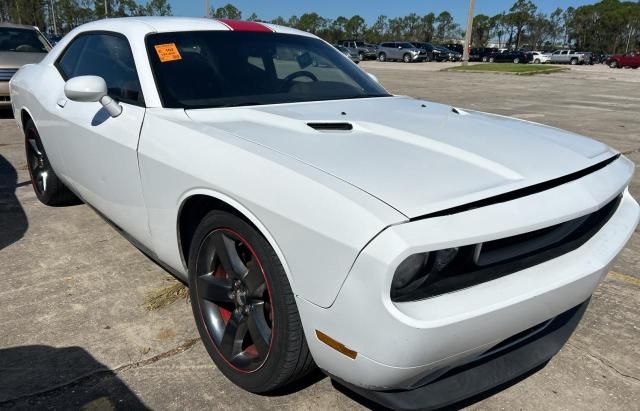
406 58
244 307
484 59
46 184
516 60
536 61
491 59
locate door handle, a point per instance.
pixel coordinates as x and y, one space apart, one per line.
62 102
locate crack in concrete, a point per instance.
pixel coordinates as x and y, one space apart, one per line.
603 362
99 374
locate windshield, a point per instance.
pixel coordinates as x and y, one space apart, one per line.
22 40
230 68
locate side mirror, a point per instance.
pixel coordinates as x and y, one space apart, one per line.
90 89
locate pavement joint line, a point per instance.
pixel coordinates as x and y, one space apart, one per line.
623 277
104 372
603 362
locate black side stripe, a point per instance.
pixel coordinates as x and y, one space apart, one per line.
519 193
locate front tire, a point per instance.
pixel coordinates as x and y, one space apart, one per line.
244 307
613 64
406 58
516 60
536 61
574 61
46 184
382 57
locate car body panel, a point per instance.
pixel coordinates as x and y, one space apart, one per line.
334 218
452 162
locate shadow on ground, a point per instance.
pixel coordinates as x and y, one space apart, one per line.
44 377
5 114
13 220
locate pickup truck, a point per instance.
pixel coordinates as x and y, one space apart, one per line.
624 60
568 57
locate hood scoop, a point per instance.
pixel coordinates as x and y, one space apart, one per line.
331 126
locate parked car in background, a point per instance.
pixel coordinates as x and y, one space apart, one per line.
349 53
481 53
401 50
568 57
427 47
360 48
624 60
509 56
538 57
458 48
19 45
54 39
450 55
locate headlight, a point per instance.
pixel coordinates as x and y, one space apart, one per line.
418 269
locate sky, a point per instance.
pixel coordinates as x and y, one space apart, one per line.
369 9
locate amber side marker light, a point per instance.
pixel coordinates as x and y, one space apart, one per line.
336 345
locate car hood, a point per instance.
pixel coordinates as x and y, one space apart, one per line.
14 59
419 157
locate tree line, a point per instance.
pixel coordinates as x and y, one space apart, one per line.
608 26
63 16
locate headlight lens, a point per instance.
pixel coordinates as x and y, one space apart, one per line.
417 269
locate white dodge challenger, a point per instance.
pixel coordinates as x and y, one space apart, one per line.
417 253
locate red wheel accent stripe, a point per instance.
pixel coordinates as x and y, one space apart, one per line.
237 25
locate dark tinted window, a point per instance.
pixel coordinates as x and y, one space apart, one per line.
22 40
386 45
234 68
107 56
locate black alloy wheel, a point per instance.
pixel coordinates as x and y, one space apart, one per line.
243 305
46 185
234 299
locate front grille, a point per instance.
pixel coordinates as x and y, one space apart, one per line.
5 98
6 74
479 263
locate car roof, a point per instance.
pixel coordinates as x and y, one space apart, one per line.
135 26
18 26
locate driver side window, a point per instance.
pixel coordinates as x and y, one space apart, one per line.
108 56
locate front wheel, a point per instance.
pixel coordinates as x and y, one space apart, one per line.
613 64
46 184
382 57
484 59
516 60
574 61
536 61
406 58
244 307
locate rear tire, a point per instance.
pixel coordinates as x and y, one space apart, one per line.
491 60
516 60
536 61
243 305
484 59
46 184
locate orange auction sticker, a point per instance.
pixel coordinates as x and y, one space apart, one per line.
168 52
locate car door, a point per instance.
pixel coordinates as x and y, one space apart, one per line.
101 160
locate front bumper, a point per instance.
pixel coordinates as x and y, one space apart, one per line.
405 345
508 363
